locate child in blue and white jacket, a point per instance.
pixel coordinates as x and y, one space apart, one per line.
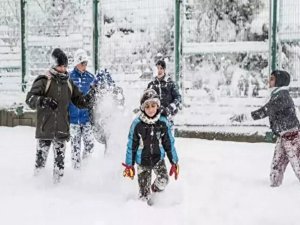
80 124
149 139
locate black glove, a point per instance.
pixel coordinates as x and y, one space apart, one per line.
173 109
135 110
90 97
238 118
165 111
47 102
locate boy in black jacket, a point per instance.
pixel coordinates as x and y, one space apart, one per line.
284 124
167 91
149 139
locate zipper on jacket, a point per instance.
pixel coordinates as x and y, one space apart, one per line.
151 144
159 88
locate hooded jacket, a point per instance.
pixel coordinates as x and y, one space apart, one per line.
281 111
54 124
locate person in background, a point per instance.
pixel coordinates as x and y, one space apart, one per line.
50 95
284 125
107 92
167 91
149 140
80 124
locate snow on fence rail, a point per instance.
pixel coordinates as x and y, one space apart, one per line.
225 47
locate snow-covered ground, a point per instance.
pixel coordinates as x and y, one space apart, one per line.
221 183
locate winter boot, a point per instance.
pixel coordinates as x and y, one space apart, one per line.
144 198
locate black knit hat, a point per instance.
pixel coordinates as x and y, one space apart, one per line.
161 63
282 78
149 96
59 58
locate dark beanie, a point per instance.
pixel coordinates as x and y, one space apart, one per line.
161 63
59 58
282 78
149 95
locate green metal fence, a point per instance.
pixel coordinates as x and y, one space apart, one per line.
128 36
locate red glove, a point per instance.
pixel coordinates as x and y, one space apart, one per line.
128 171
174 169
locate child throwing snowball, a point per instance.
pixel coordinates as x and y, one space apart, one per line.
284 125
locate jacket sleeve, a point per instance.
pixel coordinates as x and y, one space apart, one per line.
276 103
149 85
260 113
37 90
80 100
175 105
176 95
168 142
132 144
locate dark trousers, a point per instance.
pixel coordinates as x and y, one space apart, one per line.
145 175
42 151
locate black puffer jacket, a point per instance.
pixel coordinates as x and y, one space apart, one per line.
281 111
55 123
169 95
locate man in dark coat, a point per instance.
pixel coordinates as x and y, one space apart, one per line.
50 95
167 91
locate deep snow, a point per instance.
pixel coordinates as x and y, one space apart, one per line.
220 183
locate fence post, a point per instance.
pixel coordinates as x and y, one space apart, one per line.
274 61
95 34
177 41
23 44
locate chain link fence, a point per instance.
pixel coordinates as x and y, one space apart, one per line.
225 56
289 41
134 34
51 24
10 46
225 45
